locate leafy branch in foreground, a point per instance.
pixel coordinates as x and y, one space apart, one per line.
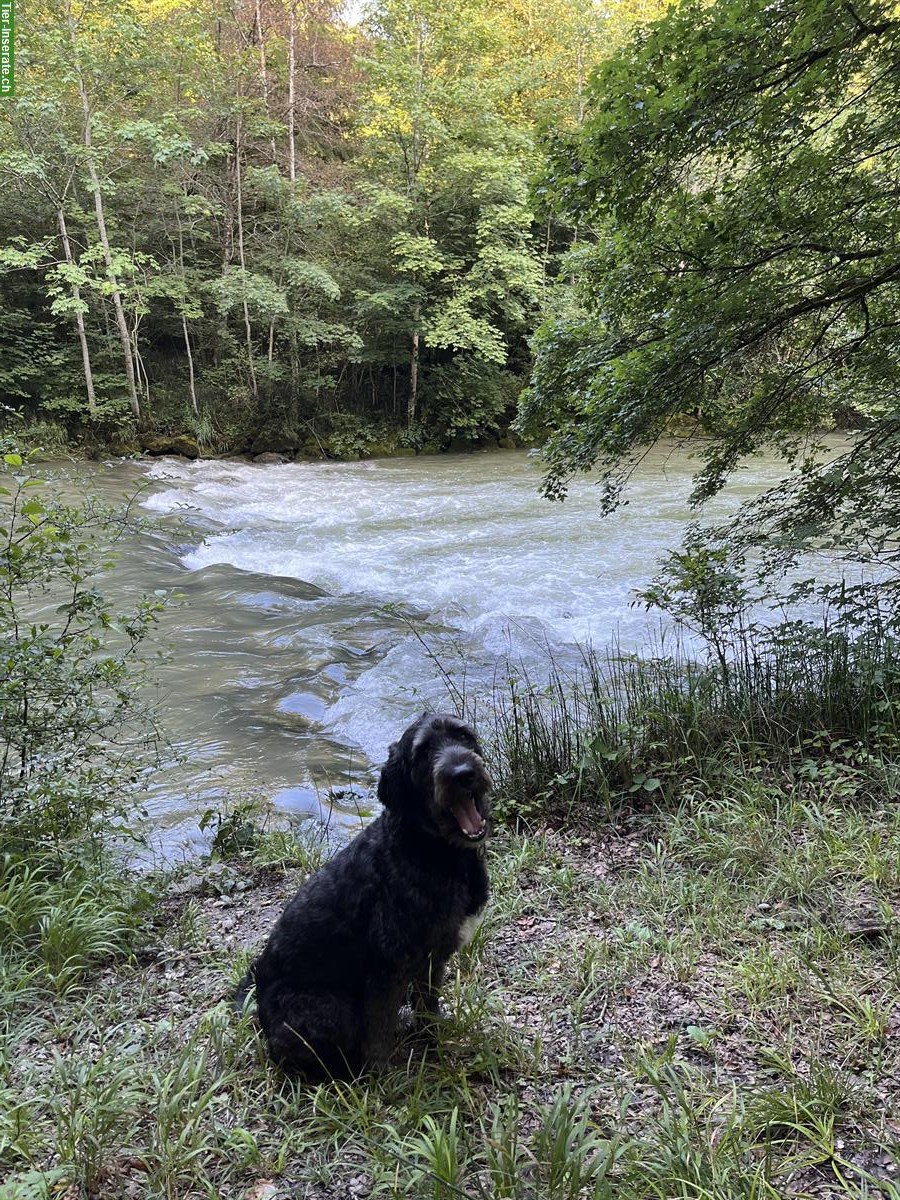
736 184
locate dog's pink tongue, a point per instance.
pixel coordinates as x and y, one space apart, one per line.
468 818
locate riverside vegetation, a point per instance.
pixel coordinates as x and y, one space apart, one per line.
687 983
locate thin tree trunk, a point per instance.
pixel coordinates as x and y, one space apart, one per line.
227 256
122 324
292 90
241 258
190 357
295 368
141 369
579 62
412 170
413 370
263 70
184 325
79 316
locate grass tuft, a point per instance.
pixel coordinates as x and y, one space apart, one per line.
622 729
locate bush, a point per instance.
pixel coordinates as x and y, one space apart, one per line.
74 730
75 737
467 399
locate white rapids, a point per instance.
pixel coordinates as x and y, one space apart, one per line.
317 608
459 557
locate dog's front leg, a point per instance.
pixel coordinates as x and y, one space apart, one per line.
381 1014
427 987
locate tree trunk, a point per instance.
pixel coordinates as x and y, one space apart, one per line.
413 370
241 258
190 357
79 316
295 369
263 69
184 325
141 369
292 90
122 324
412 170
579 61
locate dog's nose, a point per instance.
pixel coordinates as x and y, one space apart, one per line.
464 773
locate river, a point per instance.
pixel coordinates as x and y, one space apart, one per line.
318 607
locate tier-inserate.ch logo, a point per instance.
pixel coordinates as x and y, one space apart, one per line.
7 48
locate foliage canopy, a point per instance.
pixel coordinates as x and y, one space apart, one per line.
257 222
737 185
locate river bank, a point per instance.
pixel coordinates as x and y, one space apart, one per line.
691 1002
349 439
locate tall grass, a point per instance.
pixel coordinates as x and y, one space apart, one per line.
623 724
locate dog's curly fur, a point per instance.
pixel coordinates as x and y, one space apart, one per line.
384 915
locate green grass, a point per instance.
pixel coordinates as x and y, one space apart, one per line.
687 986
675 1006
622 728
58 924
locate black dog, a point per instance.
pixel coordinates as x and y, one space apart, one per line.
384 915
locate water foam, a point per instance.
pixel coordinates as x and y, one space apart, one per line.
464 542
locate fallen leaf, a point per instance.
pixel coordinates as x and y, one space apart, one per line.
263 1189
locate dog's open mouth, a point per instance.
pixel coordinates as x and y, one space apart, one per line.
469 819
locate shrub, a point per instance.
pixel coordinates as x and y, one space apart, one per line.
74 729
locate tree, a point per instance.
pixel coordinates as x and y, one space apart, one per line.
247 216
68 123
739 174
115 290
458 274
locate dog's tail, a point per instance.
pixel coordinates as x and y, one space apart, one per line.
242 991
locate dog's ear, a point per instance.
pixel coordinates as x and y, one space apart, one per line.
394 783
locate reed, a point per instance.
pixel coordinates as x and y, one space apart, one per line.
620 725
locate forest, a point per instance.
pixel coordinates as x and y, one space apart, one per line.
261 225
